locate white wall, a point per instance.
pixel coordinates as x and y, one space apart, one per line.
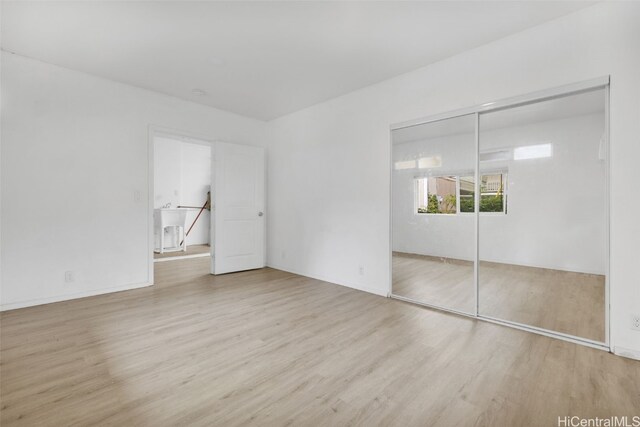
329 172
75 178
182 177
556 206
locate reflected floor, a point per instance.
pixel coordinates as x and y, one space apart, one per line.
439 281
567 302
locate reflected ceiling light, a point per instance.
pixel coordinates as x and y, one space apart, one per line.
198 92
430 162
533 152
406 164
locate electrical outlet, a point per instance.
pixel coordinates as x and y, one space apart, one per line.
283 255
635 322
361 270
69 277
137 196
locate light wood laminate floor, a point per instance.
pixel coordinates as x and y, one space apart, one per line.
270 348
567 302
191 250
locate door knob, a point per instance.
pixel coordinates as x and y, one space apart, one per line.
260 213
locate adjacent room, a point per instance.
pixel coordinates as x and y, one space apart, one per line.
182 198
314 213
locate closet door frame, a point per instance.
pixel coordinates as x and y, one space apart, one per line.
517 101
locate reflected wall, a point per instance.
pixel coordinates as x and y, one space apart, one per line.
543 259
433 220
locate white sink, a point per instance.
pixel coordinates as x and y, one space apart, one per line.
174 218
170 217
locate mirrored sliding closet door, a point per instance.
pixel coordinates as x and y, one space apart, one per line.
543 215
433 221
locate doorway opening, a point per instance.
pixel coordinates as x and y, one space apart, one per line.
207 199
181 198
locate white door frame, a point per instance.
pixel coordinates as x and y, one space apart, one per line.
156 131
548 94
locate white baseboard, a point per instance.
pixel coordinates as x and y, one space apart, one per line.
510 262
66 297
627 352
382 293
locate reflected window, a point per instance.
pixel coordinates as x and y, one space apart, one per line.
492 197
452 194
467 193
430 162
407 164
492 193
437 195
527 152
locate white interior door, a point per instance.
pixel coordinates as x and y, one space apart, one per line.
238 198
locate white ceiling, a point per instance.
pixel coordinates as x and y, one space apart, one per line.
260 59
